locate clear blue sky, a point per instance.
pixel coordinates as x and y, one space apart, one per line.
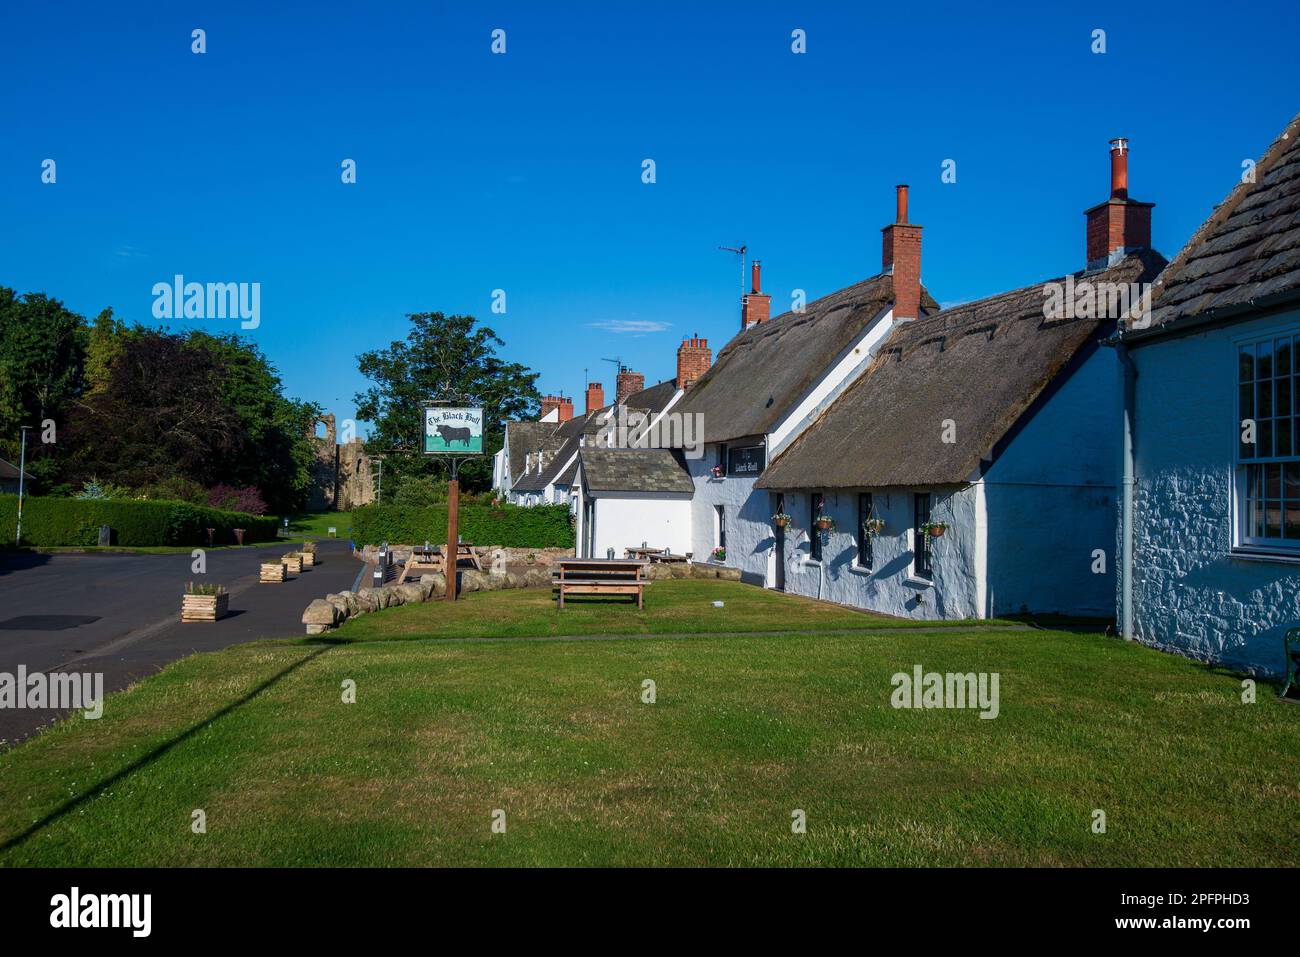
523 172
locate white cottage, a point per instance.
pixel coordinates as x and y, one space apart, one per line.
771 381
1210 529
993 423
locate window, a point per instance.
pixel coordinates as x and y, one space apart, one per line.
1268 468
864 540
722 526
818 503
921 566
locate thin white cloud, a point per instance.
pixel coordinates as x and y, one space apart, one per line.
630 327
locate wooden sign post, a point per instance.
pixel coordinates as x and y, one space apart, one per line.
457 433
452 554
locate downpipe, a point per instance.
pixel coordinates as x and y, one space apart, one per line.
1128 481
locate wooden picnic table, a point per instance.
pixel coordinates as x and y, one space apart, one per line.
643 552
600 576
431 559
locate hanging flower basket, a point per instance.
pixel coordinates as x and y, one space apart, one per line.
782 520
934 529
716 471
873 526
824 523
719 554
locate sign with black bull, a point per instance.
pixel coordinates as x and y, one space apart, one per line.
453 431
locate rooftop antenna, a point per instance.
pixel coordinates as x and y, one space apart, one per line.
739 251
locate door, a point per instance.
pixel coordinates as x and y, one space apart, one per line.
778 579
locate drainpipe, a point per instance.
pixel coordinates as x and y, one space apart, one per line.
1128 484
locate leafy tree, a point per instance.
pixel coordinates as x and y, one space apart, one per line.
159 414
42 359
441 357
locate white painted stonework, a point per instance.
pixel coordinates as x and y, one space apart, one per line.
1193 593
628 519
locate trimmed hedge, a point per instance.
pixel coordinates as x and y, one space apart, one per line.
512 526
75 521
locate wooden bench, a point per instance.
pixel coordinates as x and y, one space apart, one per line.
599 576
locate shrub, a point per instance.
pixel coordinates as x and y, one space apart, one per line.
235 499
544 526
74 521
95 490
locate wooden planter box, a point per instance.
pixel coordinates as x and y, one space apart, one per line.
204 607
272 572
293 565
308 559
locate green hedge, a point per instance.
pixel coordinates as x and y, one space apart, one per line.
543 526
74 521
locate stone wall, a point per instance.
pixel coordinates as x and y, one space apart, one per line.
342 475
1192 592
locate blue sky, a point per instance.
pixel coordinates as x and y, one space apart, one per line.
523 171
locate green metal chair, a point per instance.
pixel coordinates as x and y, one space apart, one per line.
1291 646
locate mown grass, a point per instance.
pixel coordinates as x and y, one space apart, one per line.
744 731
316 525
676 607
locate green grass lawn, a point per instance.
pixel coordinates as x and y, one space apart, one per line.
316 525
745 730
678 607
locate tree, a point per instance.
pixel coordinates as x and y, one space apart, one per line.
442 357
161 413
42 359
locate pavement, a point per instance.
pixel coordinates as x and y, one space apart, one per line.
119 614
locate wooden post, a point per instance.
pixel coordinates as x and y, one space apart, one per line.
452 554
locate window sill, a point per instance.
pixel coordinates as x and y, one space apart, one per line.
856 569
913 582
810 563
1245 554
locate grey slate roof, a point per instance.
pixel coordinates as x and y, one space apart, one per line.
1246 255
9 471
654 398
523 438
634 470
568 475
764 370
982 364
555 463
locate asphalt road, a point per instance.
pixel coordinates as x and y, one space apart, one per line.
119 614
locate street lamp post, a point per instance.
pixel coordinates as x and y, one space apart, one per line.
22 475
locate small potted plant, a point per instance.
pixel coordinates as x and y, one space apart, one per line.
716 471
934 529
272 571
782 520
719 554
873 526
825 524
203 602
293 563
308 553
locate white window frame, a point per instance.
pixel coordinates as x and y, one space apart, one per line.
1241 540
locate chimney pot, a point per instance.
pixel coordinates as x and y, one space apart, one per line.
595 396
901 194
756 275
1119 168
901 256
755 306
1119 224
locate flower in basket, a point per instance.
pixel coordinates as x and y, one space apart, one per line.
824 523
934 529
716 471
782 520
719 554
873 526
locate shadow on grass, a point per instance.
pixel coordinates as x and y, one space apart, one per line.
152 755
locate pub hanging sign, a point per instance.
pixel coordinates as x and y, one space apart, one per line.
453 431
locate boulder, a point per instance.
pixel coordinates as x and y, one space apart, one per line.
471 580
515 580
704 571
730 574
411 592
340 605
680 570
537 578
319 616
658 572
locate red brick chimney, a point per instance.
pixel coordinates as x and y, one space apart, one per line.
901 256
595 396
566 408
629 383
755 307
693 360
1120 224
549 404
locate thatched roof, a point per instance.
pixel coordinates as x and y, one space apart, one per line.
634 470
982 364
1246 255
763 371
